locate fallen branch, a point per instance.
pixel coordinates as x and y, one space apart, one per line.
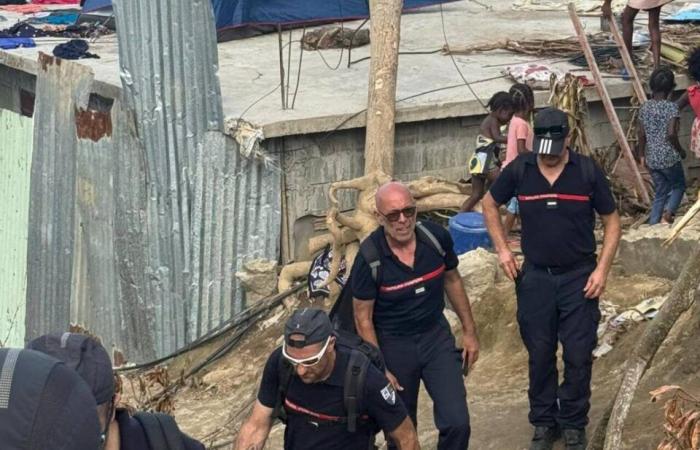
682 297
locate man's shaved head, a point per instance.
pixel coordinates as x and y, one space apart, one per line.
393 199
391 192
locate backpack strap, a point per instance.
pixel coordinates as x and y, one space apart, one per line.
588 169
353 391
429 238
285 371
370 253
161 430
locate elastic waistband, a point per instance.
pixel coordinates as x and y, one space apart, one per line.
558 270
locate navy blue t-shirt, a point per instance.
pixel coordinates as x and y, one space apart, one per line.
132 436
381 404
409 300
557 220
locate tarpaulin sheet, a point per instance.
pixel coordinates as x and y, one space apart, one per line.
235 13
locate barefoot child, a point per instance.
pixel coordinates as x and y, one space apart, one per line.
484 165
658 141
519 138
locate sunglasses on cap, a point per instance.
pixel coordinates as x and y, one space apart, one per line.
555 131
394 216
306 362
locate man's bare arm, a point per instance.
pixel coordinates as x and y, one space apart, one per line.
498 236
611 237
460 304
363 311
405 436
254 432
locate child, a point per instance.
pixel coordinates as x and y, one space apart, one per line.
484 165
658 134
692 97
519 138
653 7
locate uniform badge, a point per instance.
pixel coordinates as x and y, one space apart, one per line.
389 394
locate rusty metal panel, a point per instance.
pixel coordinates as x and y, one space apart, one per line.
61 88
235 218
16 144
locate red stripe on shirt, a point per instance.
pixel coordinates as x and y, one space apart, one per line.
571 197
302 410
427 277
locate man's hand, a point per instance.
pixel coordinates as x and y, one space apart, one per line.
508 263
470 354
596 284
606 9
394 382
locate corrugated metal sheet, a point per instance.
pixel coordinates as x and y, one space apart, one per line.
235 218
60 89
15 163
142 212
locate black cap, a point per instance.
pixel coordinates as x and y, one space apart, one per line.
312 324
85 355
44 404
551 129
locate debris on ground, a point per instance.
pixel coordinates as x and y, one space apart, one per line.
681 417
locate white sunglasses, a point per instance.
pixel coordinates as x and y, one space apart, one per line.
306 362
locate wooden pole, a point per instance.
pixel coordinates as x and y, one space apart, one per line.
385 34
281 47
627 60
607 103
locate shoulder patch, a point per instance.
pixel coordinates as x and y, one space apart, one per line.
389 394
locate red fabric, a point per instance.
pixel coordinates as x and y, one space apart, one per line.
23 9
427 277
570 197
694 98
56 2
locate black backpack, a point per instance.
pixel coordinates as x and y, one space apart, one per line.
341 314
362 354
161 430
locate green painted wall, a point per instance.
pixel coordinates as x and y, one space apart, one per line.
16 142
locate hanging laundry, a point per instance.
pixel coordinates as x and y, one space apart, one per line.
74 49
14 42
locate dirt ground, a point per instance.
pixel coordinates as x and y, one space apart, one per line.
213 407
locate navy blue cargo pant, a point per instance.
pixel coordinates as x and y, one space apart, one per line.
433 358
551 308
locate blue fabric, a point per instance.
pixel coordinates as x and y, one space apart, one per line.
57 18
16 42
234 13
669 187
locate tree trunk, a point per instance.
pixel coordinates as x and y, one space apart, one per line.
381 104
679 300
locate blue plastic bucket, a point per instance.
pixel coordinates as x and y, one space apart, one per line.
468 232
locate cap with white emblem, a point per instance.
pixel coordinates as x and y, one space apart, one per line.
551 129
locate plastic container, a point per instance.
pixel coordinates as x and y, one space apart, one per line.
468 232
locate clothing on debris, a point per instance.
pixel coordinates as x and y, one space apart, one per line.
74 49
16 42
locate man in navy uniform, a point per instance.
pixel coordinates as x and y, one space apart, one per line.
315 398
399 280
558 286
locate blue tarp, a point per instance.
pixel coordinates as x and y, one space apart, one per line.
236 13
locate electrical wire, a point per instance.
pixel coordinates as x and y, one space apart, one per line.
454 62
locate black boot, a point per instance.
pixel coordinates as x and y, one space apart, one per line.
575 439
545 437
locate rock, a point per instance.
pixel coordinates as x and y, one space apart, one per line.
641 250
259 279
479 270
218 377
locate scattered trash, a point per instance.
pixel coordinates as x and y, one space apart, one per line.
74 49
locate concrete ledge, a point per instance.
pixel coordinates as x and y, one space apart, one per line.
641 250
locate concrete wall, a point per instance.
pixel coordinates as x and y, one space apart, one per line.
436 147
